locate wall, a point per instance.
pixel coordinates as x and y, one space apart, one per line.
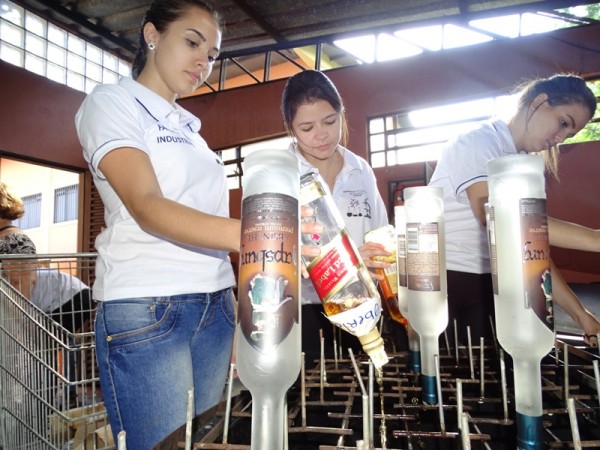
36 119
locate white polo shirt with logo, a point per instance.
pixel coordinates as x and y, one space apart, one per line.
133 263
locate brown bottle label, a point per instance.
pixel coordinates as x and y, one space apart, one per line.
268 286
423 259
535 248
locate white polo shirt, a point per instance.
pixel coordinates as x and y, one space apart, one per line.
463 163
357 197
133 263
54 288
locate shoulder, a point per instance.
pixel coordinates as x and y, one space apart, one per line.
17 244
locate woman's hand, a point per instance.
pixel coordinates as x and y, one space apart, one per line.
370 250
590 326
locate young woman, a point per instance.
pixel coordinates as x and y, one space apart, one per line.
165 318
313 114
548 111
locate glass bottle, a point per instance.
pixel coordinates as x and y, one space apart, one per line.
414 346
426 277
386 236
341 280
268 344
518 238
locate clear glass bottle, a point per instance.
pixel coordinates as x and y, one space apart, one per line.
426 277
268 337
414 346
518 237
388 285
341 280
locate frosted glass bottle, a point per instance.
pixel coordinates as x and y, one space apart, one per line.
426 277
518 237
341 280
268 338
414 346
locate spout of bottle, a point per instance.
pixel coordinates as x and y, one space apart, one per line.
372 344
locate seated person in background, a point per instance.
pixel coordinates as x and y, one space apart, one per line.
19 273
63 297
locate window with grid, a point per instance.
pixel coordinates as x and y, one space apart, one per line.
28 41
233 158
65 203
33 212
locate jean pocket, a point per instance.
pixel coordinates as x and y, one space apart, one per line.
228 306
130 322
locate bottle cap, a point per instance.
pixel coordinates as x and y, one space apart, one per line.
372 343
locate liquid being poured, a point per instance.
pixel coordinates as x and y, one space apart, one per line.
382 426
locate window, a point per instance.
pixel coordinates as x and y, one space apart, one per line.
233 158
419 135
33 210
29 41
65 203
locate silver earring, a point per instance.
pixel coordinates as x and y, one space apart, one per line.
151 46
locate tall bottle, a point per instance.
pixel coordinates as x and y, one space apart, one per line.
414 346
268 337
388 284
518 237
341 280
426 277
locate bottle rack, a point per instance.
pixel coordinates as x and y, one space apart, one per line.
330 408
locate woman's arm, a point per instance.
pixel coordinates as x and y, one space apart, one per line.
567 300
130 173
573 236
477 194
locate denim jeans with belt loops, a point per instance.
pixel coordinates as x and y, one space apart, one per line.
151 351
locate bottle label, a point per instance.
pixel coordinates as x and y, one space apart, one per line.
491 231
535 247
402 280
423 259
268 287
359 320
334 267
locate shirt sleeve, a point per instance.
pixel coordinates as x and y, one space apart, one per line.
108 119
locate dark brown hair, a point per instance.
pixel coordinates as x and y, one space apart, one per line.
561 89
310 86
161 14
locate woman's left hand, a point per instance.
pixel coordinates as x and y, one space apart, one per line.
370 250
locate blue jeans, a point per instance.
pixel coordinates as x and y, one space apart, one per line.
150 351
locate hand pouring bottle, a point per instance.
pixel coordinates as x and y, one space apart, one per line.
342 281
268 325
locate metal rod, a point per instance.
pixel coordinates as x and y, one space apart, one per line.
228 404
481 369
371 406
493 333
121 444
573 421
456 341
566 362
471 365
190 417
447 342
503 381
465 438
323 375
358 377
459 403
438 383
597 377
366 422
303 389
335 348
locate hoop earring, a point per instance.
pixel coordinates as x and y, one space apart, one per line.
151 46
